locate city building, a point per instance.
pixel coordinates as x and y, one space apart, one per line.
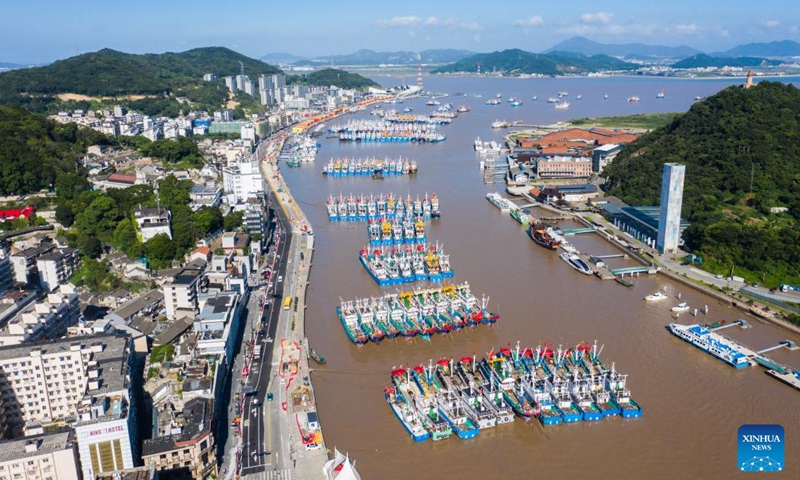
603 155
243 180
248 133
45 319
57 267
45 383
230 82
669 220
217 324
180 292
209 77
640 223
106 427
563 167
152 221
24 263
255 218
205 196
6 271
40 457
147 472
191 452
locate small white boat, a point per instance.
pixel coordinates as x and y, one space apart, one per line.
561 105
579 96
605 97
681 307
656 296
633 99
535 98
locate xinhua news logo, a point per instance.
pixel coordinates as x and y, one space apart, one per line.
761 448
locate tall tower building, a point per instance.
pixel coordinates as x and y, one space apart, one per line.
669 218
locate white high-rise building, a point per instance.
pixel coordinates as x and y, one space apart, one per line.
669 218
243 180
230 82
248 133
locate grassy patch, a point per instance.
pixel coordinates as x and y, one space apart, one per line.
162 353
152 372
648 121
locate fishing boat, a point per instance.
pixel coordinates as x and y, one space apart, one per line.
463 109
534 98
455 412
602 398
605 96
582 397
633 99
516 103
424 405
553 100
544 237
712 343
654 297
681 307
349 319
493 101
500 124
333 214
561 105
569 411
366 318
576 262
407 416
621 395
661 94
579 96
316 356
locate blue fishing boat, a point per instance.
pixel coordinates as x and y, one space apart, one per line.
407 415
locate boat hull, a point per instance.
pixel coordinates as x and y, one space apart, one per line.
353 338
417 437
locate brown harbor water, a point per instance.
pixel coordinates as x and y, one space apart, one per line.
693 404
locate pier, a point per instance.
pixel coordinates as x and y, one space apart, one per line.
788 344
633 270
738 323
572 231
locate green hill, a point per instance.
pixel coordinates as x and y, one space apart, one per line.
35 150
108 73
332 76
516 62
741 149
702 60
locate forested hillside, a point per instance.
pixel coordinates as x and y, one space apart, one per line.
741 149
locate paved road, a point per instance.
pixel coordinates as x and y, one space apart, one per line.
257 436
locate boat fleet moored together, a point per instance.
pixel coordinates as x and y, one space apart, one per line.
422 312
469 395
393 265
388 206
343 167
381 130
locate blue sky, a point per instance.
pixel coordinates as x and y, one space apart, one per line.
36 31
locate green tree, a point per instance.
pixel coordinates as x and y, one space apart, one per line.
64 215
233 221
89 246
99 219
70 185
125 237
97 275
208 220
173 192
160 250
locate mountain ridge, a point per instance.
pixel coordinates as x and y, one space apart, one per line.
588 47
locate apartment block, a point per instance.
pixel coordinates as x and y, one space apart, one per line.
57 267
47 318
41 457
153 221
180 292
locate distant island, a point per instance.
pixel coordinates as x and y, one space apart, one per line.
517 62
703 61
155 84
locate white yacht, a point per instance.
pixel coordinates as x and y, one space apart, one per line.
656 296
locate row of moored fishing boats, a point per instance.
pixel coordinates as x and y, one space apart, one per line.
382 206
396 232
344 167
381 130
394 265
422 312
469 395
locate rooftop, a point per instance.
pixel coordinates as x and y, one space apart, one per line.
50 443
140 303
198 414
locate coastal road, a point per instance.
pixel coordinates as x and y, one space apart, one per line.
258 439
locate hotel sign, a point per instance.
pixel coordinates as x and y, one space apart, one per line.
105 431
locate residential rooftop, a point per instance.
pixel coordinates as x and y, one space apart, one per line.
50 443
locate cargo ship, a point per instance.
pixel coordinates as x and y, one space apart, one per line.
544 237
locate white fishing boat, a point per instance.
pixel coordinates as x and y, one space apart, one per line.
654 297
681 307
561 105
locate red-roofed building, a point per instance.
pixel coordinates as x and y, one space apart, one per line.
114 180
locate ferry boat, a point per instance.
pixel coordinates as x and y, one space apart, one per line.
544 237
654 297
681 307
713 343
407 416
576 262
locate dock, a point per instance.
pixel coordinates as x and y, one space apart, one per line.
571 231
789 377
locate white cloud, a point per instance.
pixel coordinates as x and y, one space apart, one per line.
534 21
407 21
461 24
685 29
720 31
769 23
431 21
596 18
